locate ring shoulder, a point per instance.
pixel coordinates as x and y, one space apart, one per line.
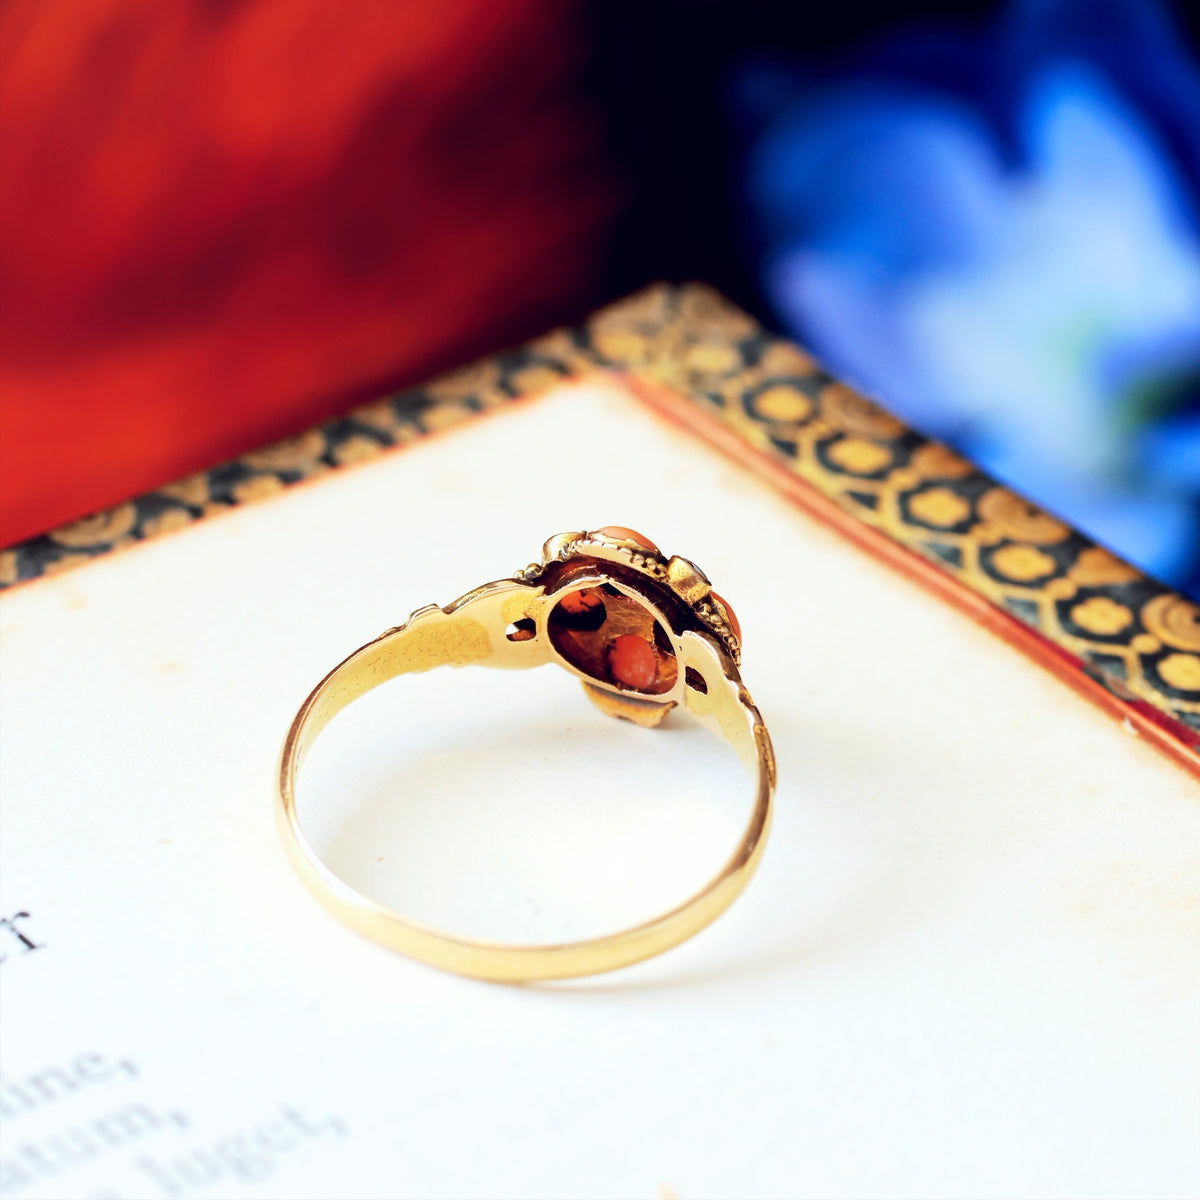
482 627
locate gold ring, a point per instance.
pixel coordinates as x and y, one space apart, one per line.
645 632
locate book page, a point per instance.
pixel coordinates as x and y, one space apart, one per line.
968 965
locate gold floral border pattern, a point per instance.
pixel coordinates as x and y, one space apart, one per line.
1129 633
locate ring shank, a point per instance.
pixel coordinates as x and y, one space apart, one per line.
472 633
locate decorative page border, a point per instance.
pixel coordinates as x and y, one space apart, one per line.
1124 639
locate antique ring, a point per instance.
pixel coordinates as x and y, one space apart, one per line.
644 632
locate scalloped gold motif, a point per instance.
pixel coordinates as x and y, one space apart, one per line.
782 403
97 529
1096 566
67 562
1061 588
297 453
940 507
847 410
356 449
536 378
1181 671
624 345
935 461
1173 620
860 456
1099 614
191 489
379 414
1022 563
782 358
465 382
710 315
711 358
257 487
166 522
1020 520
650 307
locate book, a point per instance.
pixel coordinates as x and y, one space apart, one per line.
967 965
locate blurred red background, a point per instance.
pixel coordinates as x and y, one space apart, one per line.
221 221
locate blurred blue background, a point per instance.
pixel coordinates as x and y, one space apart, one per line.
987 216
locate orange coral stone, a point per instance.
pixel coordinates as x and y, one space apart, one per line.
582 601
621 534
734 623
632 661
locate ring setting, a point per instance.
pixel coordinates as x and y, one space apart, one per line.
645 633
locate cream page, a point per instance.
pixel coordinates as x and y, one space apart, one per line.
968 966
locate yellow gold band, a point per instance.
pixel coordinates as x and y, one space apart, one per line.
549 614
